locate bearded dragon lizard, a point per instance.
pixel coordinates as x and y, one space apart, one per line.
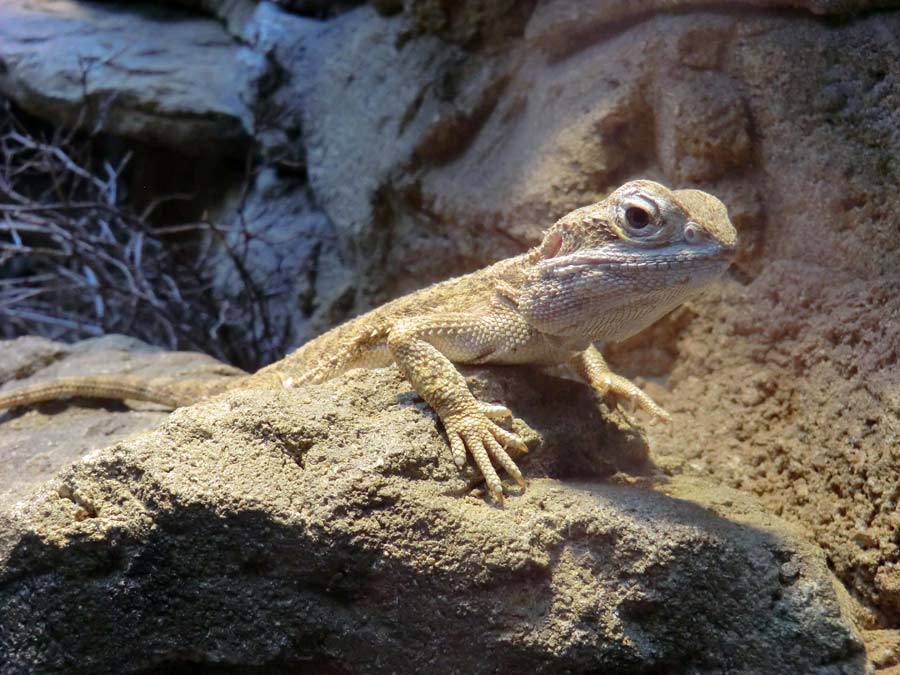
601 273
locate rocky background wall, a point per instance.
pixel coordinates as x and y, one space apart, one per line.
361 151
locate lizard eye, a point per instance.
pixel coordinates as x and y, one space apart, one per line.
637 217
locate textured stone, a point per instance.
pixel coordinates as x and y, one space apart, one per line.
289 252
564 23
799 410
324 527
233 13
36 443
884 650
792 120
405 101
153 74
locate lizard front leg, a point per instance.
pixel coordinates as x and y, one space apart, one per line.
593 369
414 344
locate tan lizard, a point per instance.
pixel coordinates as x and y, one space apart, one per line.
601 273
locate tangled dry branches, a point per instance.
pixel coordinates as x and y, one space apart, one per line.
77 261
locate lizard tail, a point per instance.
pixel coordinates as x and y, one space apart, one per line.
110 387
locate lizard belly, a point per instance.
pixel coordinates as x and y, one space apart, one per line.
539 350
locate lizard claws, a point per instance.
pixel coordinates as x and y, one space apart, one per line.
485 440
620 387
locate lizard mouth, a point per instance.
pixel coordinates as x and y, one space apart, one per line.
680 258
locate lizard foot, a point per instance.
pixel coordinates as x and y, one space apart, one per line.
616 387
485 440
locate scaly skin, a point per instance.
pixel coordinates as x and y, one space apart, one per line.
601 273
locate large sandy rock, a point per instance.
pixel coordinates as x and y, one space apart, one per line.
436 141
463 153
326 529
35 443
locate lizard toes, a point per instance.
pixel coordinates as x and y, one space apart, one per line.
483 462
457 449
651 407
662 415
485 441
494 411
621 388
498 453
509 439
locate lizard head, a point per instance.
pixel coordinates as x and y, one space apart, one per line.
608 270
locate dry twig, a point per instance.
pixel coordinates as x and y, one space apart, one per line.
76 260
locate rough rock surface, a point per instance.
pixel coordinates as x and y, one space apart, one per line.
801 410
36 443
289 249
129 69
233 13
883 647
446 135
323 529
562 22
790 119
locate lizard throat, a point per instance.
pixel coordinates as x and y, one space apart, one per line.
608 294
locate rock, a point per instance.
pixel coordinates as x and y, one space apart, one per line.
703 127
391 108
326 528
131 70
290 266
436 141
36 443
318 8
408 99
797 409
790 119
233 13
559 23
471 24
884 650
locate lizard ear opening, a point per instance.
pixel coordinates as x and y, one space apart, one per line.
551 244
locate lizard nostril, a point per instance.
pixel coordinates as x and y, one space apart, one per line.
692 233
